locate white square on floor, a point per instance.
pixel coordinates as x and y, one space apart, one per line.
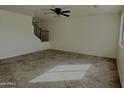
64 72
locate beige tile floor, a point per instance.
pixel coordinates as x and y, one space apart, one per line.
59 69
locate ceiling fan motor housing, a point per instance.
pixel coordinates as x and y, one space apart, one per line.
58 11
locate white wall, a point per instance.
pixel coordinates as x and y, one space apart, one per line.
120 58
120 64
16 37
94 35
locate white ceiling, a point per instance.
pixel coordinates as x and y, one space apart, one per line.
76 10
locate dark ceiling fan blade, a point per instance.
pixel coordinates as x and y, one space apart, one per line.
53 10
66 11
65 15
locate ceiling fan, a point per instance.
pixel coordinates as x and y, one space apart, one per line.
59 11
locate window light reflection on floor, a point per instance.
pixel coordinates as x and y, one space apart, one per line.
63 72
